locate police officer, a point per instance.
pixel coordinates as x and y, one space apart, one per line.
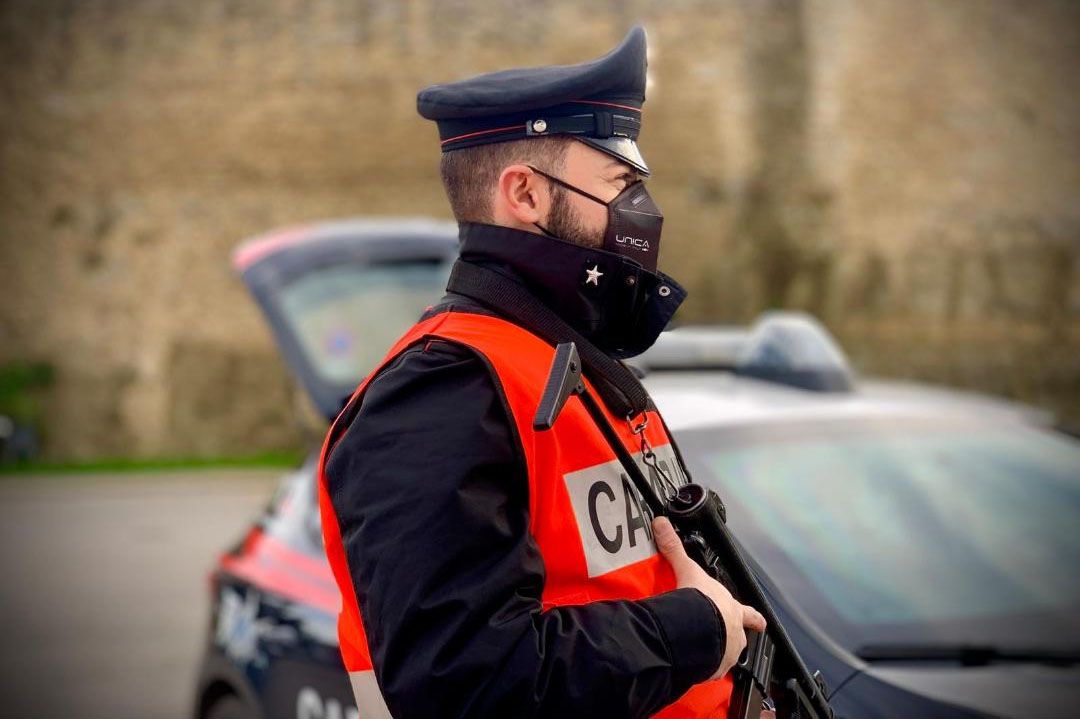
488 569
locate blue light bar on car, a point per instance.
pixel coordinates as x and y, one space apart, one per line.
789 348
695 348
793 348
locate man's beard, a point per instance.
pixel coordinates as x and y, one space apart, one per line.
564 223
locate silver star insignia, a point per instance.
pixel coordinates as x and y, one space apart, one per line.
594 275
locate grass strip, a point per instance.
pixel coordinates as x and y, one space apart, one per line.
282 459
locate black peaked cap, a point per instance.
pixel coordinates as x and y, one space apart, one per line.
598 102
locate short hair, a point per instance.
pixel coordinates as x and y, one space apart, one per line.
469 174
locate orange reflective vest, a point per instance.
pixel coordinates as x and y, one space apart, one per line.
591 526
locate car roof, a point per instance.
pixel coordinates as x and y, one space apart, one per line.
356 230
714 398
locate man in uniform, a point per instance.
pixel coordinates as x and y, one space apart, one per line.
489 569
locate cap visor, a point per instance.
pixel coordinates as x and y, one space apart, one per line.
621 148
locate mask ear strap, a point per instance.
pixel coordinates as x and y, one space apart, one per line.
567 185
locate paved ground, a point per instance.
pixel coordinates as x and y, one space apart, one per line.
104 592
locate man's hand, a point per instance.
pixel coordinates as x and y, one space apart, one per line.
737 617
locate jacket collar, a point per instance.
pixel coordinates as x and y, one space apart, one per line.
608 298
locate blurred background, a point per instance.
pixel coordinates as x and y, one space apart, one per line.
906 170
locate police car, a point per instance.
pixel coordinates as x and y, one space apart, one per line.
920 545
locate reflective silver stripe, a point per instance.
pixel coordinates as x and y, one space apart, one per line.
369 699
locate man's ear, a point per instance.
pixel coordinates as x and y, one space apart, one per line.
521 200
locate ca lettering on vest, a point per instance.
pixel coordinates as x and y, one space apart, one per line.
612 518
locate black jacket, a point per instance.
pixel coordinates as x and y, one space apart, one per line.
430 489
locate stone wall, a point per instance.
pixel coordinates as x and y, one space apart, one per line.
907 169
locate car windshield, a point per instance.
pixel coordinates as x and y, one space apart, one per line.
347 317
293 514
921 532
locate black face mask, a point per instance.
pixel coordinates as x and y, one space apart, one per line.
634 222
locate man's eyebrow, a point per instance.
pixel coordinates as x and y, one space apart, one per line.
625 169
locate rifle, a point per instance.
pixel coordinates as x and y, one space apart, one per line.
770 669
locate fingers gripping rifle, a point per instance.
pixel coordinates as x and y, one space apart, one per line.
770 669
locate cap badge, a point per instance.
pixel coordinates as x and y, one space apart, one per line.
593 276
539 126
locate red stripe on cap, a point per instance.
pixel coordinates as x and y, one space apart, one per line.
607 104
482 132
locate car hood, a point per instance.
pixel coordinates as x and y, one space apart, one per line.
1017 691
